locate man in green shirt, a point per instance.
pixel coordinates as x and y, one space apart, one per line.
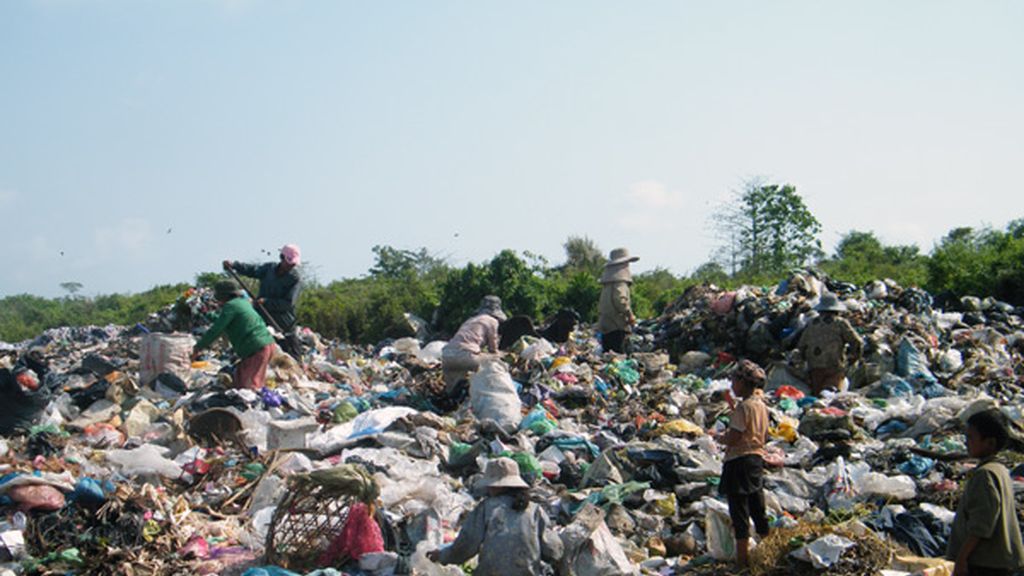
986 539
246 331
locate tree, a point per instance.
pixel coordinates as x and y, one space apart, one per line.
71 287
983 262
710 273
393 263
769 229
861 257
582 254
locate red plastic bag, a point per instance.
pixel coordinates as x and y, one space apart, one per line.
37 497
788 391
360 535
723 305
28 381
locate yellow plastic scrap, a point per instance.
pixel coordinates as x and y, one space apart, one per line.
559 362
150 530
679 427
666 506
786 430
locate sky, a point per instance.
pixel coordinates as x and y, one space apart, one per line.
144 142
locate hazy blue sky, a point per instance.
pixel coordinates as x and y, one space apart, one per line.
147 141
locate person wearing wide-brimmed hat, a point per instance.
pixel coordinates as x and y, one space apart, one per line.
460 357
615 313
246 331
827 344
512 535
280 284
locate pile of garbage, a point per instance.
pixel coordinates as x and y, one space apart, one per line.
122 456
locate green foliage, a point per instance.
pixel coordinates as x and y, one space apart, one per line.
710 273
982 262
860 258
769 230
371 309
654 290
583 255
580 292
520 286
24 317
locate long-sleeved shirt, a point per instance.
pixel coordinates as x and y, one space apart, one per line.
510 542
476 333
614 311
987 510
279 292
823 343
245 329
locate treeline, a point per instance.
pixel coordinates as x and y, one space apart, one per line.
24 316
981 262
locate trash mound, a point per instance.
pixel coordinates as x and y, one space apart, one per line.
121 455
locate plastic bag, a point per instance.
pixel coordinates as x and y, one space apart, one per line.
718 529
103 435
590 549
840 493
823 552
161 353
538 421
493 396
431 353
786 430
377 421
917 466
679 427
37 497
146 459
911 363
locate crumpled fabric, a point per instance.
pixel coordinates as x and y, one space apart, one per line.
360 535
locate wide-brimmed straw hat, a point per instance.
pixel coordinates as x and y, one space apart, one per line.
830 303
492 305
502 473
620 256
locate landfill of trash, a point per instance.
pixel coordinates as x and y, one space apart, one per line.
121 455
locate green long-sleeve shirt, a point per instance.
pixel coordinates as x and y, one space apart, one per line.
244 328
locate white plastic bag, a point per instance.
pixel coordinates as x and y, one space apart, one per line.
170 353
824 552
493 396
146 459
718 530
590 549
431 353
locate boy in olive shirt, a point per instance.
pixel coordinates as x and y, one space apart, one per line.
986 538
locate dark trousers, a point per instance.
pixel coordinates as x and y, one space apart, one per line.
742 484
614 341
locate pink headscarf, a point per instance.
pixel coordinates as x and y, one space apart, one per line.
291 254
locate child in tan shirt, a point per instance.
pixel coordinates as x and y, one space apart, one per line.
742 480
